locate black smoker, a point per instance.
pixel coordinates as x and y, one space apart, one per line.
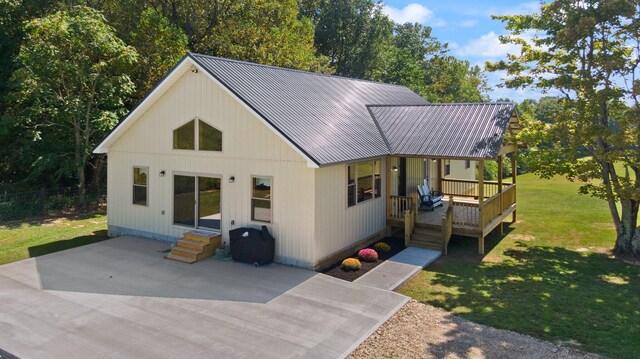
251 245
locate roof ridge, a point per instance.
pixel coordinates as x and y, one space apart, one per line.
445 104
193 55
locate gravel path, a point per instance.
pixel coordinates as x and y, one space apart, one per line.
422 331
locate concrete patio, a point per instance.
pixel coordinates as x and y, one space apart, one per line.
121 299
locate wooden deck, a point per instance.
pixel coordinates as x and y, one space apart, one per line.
468 227
466 216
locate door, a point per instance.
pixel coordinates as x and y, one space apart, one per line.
196 201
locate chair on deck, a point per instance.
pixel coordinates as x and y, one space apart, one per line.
429 199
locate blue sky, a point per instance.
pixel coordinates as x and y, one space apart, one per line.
468 28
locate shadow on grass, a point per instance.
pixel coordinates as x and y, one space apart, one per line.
56 246
547 292
52 218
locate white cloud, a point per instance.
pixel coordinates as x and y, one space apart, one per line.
487 46
520 9
410 13
468 23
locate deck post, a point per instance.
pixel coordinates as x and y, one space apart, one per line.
481 206
514 174
387 165
440 175
500 174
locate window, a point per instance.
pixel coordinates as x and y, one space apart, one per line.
447 167
261 199
140 185
363 182
209 138
183 136
467 164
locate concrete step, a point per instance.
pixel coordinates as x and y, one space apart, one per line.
180 258
186 252
185 243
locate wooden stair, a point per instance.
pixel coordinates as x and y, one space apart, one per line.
425 237
194 246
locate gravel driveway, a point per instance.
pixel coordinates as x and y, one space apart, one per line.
422 331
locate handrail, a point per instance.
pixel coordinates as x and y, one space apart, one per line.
468 188
447 225
409 223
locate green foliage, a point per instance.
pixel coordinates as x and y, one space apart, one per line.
159 45
419 61
69 92
491 169
353 35
588 52
381 247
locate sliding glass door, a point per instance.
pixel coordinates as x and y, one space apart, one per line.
196 201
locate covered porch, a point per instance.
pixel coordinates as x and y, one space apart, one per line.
449 159
470 207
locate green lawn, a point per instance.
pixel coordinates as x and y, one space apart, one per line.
549 276
38 236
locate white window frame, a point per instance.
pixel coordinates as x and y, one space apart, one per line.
146 186
375 193
251 216
447 167
196 137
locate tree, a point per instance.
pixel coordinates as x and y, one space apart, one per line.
159 45
587 51
353 35
70 90
419 61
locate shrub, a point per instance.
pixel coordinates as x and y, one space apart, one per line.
351 264
381 247
368 255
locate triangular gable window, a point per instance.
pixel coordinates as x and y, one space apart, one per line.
209 138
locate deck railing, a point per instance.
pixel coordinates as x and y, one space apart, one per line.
508 196
398 205
465 214
468 188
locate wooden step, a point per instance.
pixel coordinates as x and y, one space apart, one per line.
180 258
425 232
185 243
435 247
200 236
428 226
427 242
186 252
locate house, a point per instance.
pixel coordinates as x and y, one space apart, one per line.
327 163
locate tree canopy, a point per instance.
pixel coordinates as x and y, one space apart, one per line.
345 37
588 52
70 90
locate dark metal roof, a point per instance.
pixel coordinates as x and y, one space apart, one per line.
466 130
326 117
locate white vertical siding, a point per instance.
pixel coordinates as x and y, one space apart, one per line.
459 171
338 226
249 148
